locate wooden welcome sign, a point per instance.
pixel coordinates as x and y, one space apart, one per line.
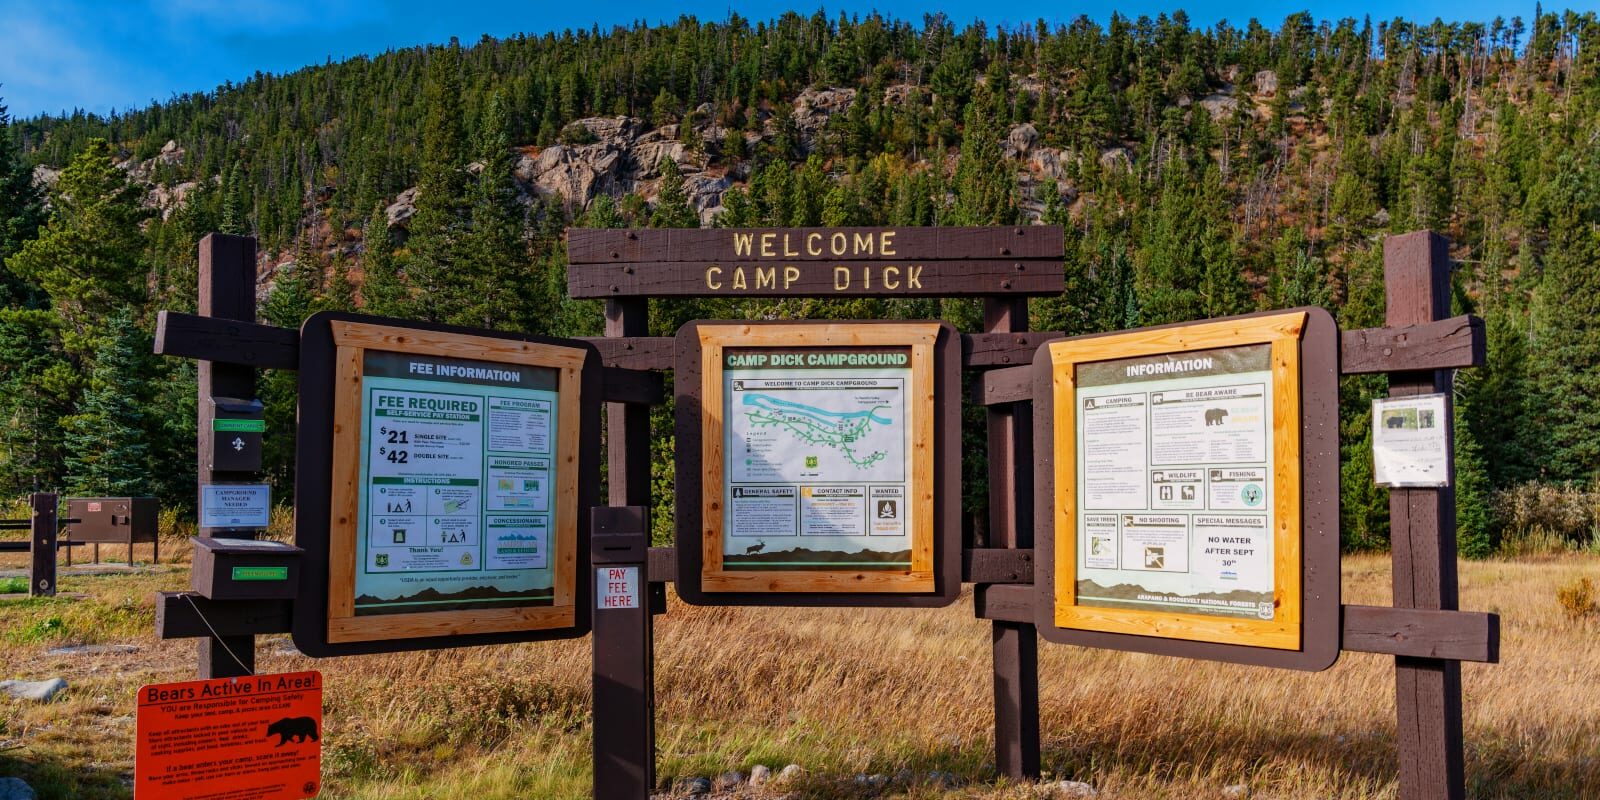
445 478
1189 505
818 463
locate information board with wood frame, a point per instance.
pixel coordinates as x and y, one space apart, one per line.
1187 490
444 482
843 484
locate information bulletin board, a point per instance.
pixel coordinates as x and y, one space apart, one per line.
1174 515
812 461
457 482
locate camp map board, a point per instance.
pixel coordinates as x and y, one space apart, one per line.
454 493
1177 483
816 457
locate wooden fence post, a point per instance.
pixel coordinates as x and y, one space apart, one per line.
1423 539
1015 645
42 533
227 291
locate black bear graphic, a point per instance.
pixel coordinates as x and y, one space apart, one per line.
297 728
1396 421
1214 416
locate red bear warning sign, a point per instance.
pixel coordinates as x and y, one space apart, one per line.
254 738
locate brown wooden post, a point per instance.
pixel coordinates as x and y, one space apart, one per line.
628 424
1015 645
624 646
42 534
623 656
227 291
1416 270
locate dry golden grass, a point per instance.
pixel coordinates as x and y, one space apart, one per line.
848 692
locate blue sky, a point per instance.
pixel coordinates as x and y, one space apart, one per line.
64 54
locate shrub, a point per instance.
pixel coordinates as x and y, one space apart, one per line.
1565 516
1577 599
576 135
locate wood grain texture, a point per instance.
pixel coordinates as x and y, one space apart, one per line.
612 246
1002 349
177 617
1282 331
977 349
663 564
1001 386
1004 603
839 278
447 623
634 352
920 337
1446 344
1422 633
632 386
226 341
1423 539
997 565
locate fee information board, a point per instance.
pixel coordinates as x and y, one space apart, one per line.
457 467
444 477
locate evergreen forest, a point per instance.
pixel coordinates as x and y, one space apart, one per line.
1197 172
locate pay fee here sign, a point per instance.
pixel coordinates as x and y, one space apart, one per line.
616 587
251 738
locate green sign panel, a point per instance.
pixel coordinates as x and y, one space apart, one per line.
239 425
261 573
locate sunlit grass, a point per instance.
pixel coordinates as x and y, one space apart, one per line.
843 692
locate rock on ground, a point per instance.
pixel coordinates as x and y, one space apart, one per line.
15 789
1066 790
41 691
760 774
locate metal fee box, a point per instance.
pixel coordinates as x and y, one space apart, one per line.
236 427
245 569
122 520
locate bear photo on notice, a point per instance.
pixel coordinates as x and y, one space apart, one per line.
298 729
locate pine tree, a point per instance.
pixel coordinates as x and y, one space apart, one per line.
1565 363
984 185
106 451
21 211
89 256
437 272
383 288
672 204
37 388
500 296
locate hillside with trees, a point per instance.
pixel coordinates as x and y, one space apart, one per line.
1197 171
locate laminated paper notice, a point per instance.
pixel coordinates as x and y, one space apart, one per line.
1175 459
457 467
1410 443
817 448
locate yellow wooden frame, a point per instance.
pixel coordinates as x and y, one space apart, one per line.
1282 332
920 337
352 340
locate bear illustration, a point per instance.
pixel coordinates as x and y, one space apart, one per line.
1215 416
1395 422
298 729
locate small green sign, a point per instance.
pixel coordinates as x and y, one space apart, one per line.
261 573
239 425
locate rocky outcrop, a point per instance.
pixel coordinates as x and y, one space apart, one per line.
1266 83
814 107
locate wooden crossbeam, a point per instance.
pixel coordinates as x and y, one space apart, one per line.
635 386
226 341
1453 343
1000 386
184 615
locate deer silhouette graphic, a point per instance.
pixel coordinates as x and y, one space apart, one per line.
755 548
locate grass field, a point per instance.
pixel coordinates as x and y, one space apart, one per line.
841 693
